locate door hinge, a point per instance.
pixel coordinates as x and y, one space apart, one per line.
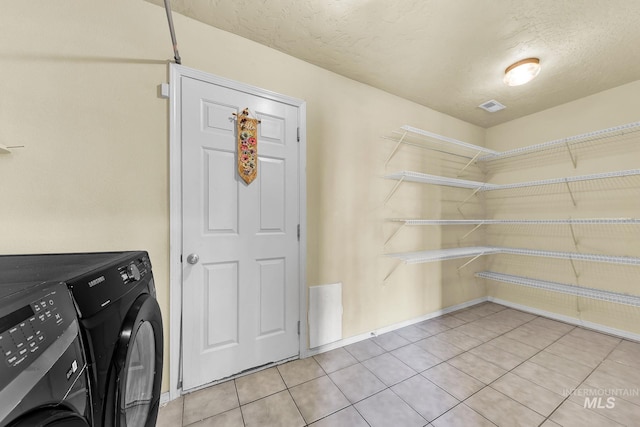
298 327
298 232
298 134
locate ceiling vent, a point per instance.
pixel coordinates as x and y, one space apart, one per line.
492 106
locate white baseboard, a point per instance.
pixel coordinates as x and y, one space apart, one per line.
164 398
568 319
362 337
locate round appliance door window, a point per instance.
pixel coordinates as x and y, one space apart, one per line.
140 376
133 394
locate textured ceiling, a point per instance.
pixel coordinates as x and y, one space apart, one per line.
448 55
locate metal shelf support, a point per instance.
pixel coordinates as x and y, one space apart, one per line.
573 160
573 235
473 159
575 271
391 272
470 232
394 233
393 152
469 197
470 261
393 190
566 181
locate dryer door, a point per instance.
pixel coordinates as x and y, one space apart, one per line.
134 387
49 417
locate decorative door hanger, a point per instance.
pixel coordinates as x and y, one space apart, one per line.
247 146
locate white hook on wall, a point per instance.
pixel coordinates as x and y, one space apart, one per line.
7 150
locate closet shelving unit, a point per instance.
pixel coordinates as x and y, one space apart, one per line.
481 154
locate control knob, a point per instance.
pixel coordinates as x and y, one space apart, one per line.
133 272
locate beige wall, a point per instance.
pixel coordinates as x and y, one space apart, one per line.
79 91
617 198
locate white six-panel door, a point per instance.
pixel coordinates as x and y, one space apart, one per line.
240 299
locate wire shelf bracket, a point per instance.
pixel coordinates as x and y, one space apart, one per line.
573 199
573 159
393 152
391 272
473 159
393 190
394 233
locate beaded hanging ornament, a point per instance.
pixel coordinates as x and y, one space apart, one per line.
247 146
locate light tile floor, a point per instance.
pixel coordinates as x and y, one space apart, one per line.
486 365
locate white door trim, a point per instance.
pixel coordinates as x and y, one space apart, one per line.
176 72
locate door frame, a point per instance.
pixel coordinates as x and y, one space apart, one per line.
176 72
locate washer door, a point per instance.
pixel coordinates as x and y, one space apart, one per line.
134 388
49 417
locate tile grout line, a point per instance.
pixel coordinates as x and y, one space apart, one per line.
507 371
460 401
540 351
466 351
409 342
235 386
582 382
336 385
437 364
521 363
288 389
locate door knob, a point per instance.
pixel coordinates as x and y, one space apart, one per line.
193 258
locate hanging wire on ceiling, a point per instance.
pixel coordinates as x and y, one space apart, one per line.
176 55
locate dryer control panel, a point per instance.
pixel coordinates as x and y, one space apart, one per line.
29 322
101 287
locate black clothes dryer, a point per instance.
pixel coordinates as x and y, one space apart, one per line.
43 375
121 325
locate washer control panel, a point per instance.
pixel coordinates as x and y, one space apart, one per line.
134 270
28 325
103 287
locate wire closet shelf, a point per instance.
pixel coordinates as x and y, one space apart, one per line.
481 154
578 291
483 186
476 251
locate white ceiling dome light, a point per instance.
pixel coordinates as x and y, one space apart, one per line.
522 72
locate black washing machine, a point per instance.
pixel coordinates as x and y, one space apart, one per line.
43 375
121 324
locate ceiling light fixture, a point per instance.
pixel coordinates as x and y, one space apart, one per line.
522 72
